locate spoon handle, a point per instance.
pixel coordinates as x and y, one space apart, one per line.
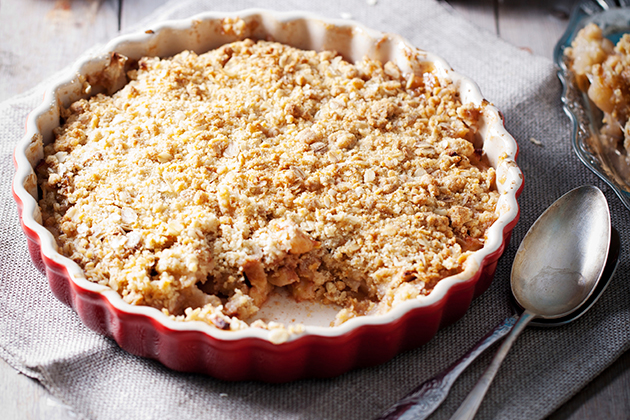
428 396
471 404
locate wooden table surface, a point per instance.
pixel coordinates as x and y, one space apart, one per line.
27 57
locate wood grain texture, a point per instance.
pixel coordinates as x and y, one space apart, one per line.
39 37
133 11
25 398
481 12
535 25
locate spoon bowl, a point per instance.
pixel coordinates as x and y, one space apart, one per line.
563 255
609 271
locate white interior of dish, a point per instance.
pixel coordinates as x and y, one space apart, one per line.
204 32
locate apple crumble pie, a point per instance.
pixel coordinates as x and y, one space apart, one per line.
210 180
602 69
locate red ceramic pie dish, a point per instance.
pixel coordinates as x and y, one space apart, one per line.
249 354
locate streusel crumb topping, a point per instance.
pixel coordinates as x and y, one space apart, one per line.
210 180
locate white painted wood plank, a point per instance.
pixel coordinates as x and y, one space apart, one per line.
535 25
24 398
38 37
135 10
479 12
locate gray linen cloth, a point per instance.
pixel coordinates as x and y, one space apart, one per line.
45 340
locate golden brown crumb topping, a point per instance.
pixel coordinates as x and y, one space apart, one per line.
210 180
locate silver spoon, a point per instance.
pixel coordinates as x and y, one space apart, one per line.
427 397
423 400
555 270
